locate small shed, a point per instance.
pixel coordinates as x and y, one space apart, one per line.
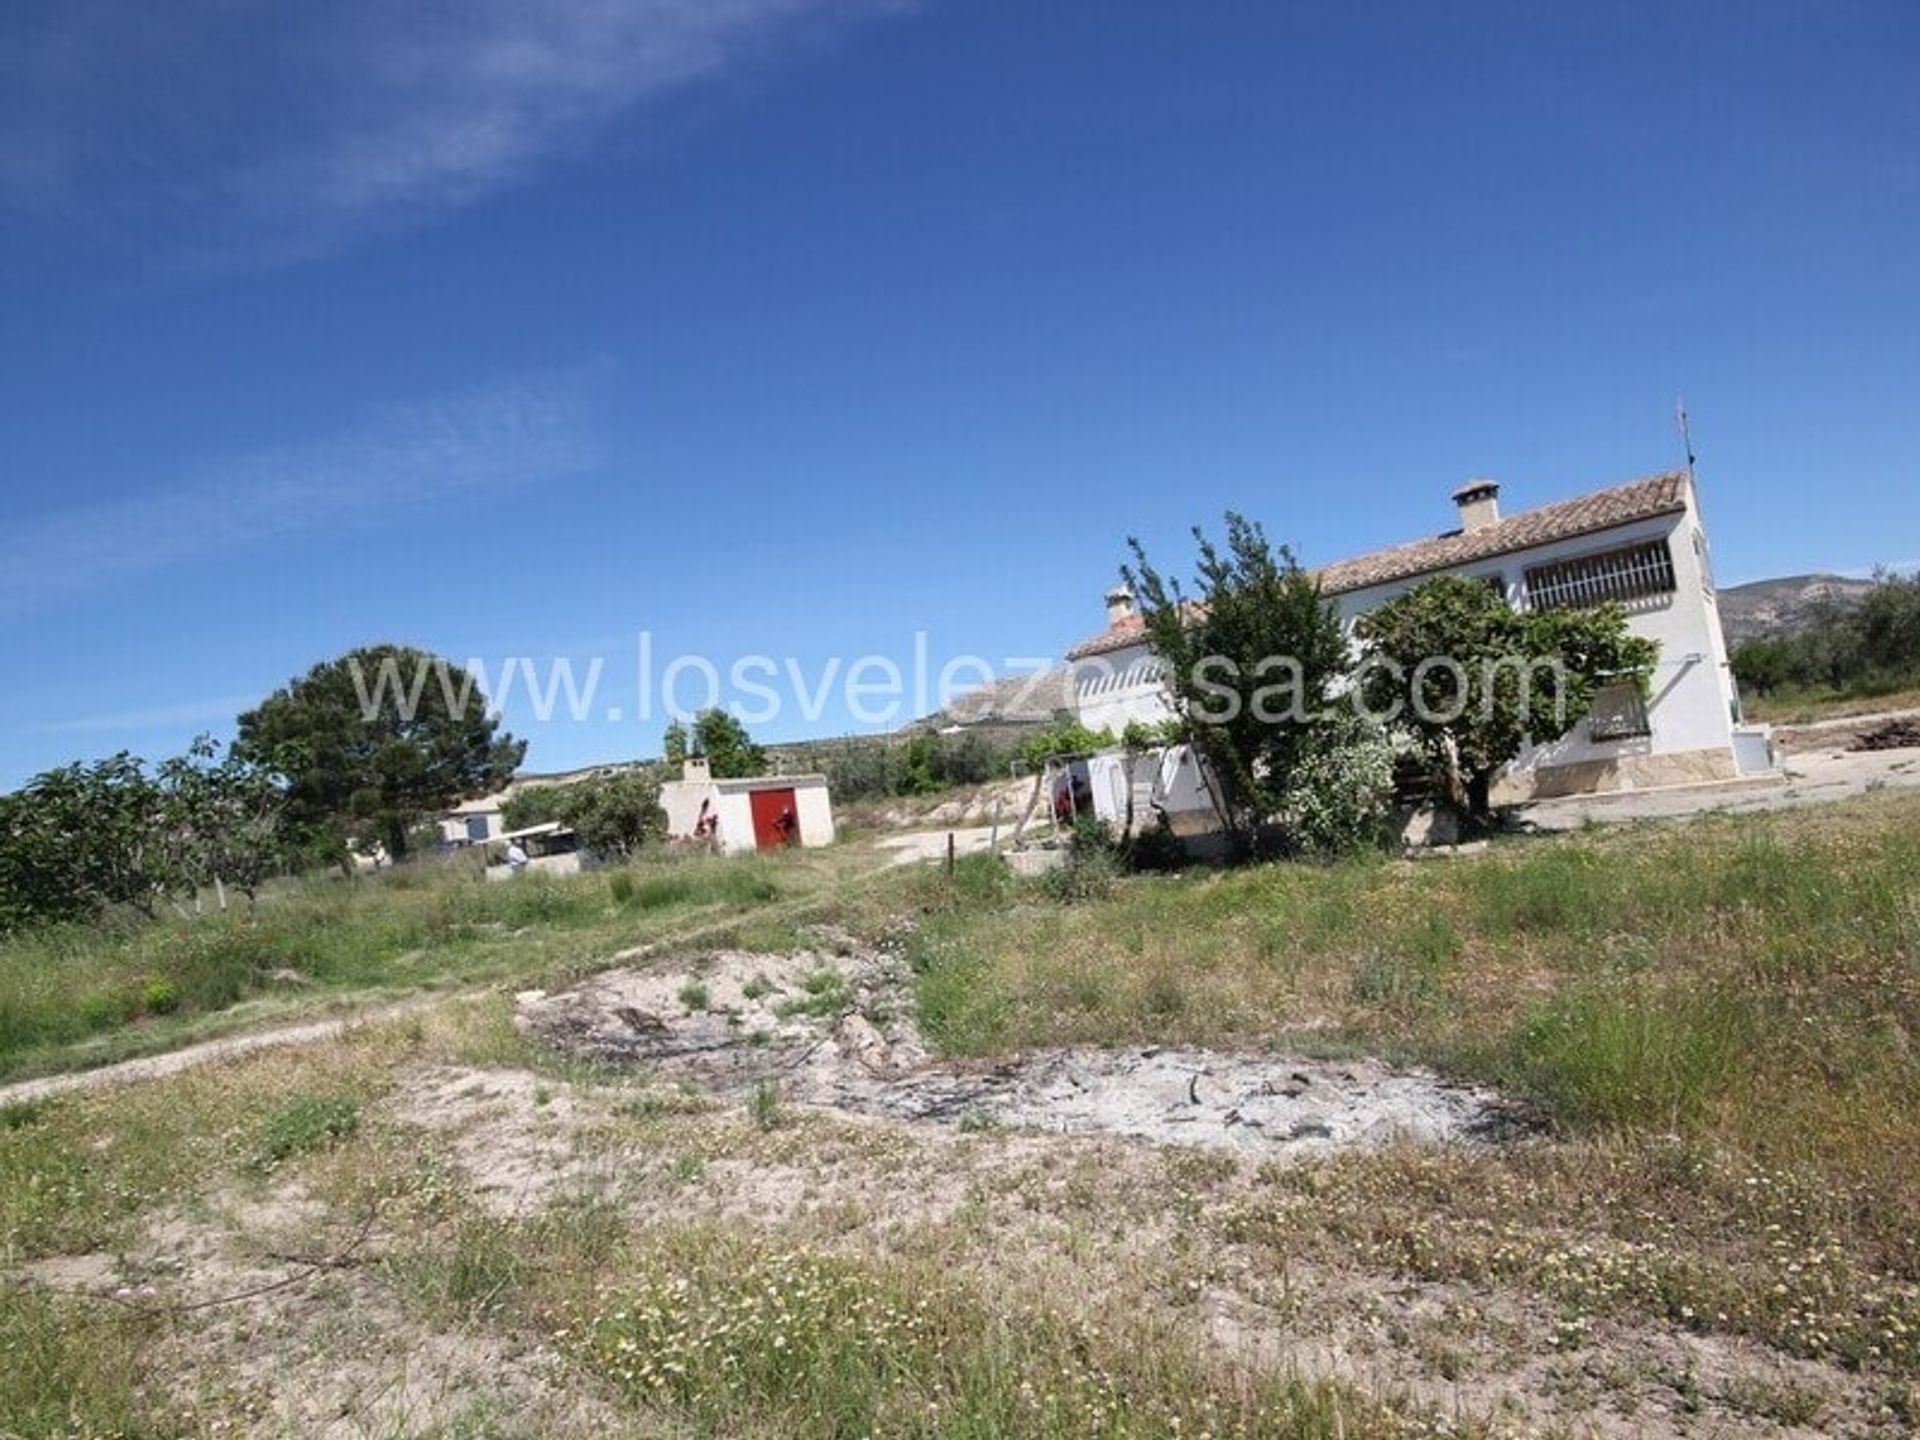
552 849
765 812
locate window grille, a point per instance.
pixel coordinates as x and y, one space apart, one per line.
1634 572
1618 713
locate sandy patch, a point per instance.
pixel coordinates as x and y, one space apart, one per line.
515 1133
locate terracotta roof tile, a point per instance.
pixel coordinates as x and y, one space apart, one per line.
1662 494
1562 520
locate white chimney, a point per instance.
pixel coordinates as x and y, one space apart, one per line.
1119 604
1479 502
695 770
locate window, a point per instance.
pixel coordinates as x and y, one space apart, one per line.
1633 572
1618 713
476 828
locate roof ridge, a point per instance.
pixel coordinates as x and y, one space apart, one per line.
1660 493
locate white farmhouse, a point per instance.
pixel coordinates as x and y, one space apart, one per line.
1642 544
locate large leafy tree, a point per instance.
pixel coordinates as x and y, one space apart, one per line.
717 734
221 821
370 743
1471 679
84 838
81 838
1250 662
612 814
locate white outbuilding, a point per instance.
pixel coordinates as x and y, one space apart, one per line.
764 812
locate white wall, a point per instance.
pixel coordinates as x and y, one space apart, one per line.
1692 684
732 802
1112 690
815 811
681 800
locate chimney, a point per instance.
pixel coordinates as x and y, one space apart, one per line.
695 770
1479 502
1119 605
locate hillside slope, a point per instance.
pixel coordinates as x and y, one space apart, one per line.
1772 607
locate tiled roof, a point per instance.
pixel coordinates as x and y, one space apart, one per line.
1562 520
1662 494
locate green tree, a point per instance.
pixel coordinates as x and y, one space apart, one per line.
81 838
1249 663
1764 664
717 734
369 744
616 814
1471 679
612 814
1069 737
221 821
534 805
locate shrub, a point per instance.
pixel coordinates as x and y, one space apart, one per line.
1156 848
158 997
1092 864
1338 796
308 1122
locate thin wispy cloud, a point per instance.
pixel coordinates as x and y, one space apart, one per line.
238 133
404 461
158 717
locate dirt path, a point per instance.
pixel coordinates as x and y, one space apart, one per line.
172 1062
312 1032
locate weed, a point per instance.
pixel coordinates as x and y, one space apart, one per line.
307 1122
825 995
752 1338
19 1114
159 997
694 996
763 1105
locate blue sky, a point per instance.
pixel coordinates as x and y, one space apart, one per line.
795 327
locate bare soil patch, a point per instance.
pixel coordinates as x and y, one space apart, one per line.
837 1031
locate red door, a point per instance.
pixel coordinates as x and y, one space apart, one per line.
776 820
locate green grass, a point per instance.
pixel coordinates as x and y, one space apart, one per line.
1755 979
308 1122
68 1367
75 996
824 995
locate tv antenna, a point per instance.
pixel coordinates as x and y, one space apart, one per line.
1686 430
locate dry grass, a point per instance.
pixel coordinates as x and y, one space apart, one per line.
78 997
1717 1235
1801 709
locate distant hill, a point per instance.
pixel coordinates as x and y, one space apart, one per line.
1777 607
